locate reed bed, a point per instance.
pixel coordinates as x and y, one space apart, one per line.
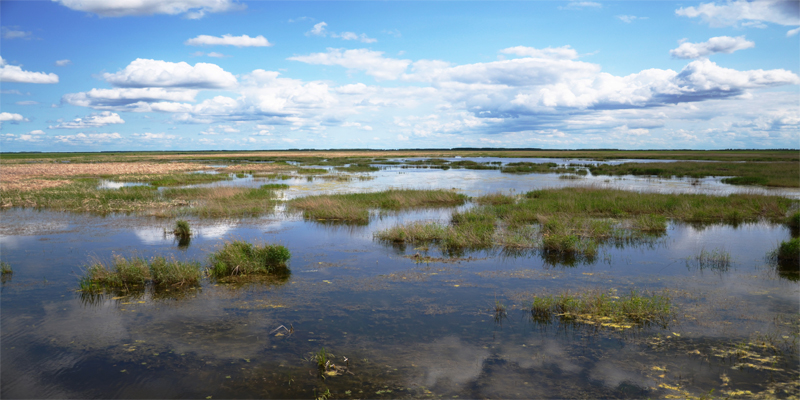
240 258
355 207
780 174
136 272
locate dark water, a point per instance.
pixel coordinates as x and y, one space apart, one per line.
407 329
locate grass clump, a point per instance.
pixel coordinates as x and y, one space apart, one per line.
358 168
717 260
355 207
5 268
528 167
605 309
781 174
789 252
174 273
312 171
179 179
182 229
137 272
242 258
275 186
793 221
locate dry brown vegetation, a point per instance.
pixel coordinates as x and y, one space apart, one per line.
26 177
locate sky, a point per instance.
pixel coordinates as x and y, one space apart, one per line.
110 75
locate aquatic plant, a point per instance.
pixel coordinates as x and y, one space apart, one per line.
182 229
717 259
788 253
528 167
355 206
5 268
174 273
121 273
136 272
604 309
242 258
783 174
793 221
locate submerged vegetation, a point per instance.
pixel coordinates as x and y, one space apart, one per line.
242 258
136 272
715 260
605 309
355 207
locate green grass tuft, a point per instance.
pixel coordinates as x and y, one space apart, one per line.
136 272
789 252
242 258
604 309
5 268
182 229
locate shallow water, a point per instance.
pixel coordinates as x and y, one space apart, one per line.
407 328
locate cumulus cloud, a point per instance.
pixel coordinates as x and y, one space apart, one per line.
142 73
371 62
746 13
557 53
90 139
63 63
356 125
123 99
321 30
92 121
720 44
13 73
192 9
229 40
6 117
216 130
37 132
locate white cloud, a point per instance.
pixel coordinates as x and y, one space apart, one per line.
793 32
371 62
6 116
216 130
216 55
192 9
143 73
27 103
63 63
229 40
92 121
37 132
147 136
122 99
629 18
720 44
320 30
356 125
579 5
557 53
13 73
92 138
15 34
742 12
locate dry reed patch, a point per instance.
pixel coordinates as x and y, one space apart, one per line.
27 177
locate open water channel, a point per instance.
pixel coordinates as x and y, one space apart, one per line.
401 327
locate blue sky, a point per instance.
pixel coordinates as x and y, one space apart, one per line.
93 75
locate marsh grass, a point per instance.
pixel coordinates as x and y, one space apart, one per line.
789 252
5 268
355 207
136 272
242 258
311 171
182 229
358 168
781 174
528 168
605 309
715 260
179 179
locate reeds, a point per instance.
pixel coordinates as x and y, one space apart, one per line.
182 229
242 258
604 309
717 259
5 268
355 207
136 272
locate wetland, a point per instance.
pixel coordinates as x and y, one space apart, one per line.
428 274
